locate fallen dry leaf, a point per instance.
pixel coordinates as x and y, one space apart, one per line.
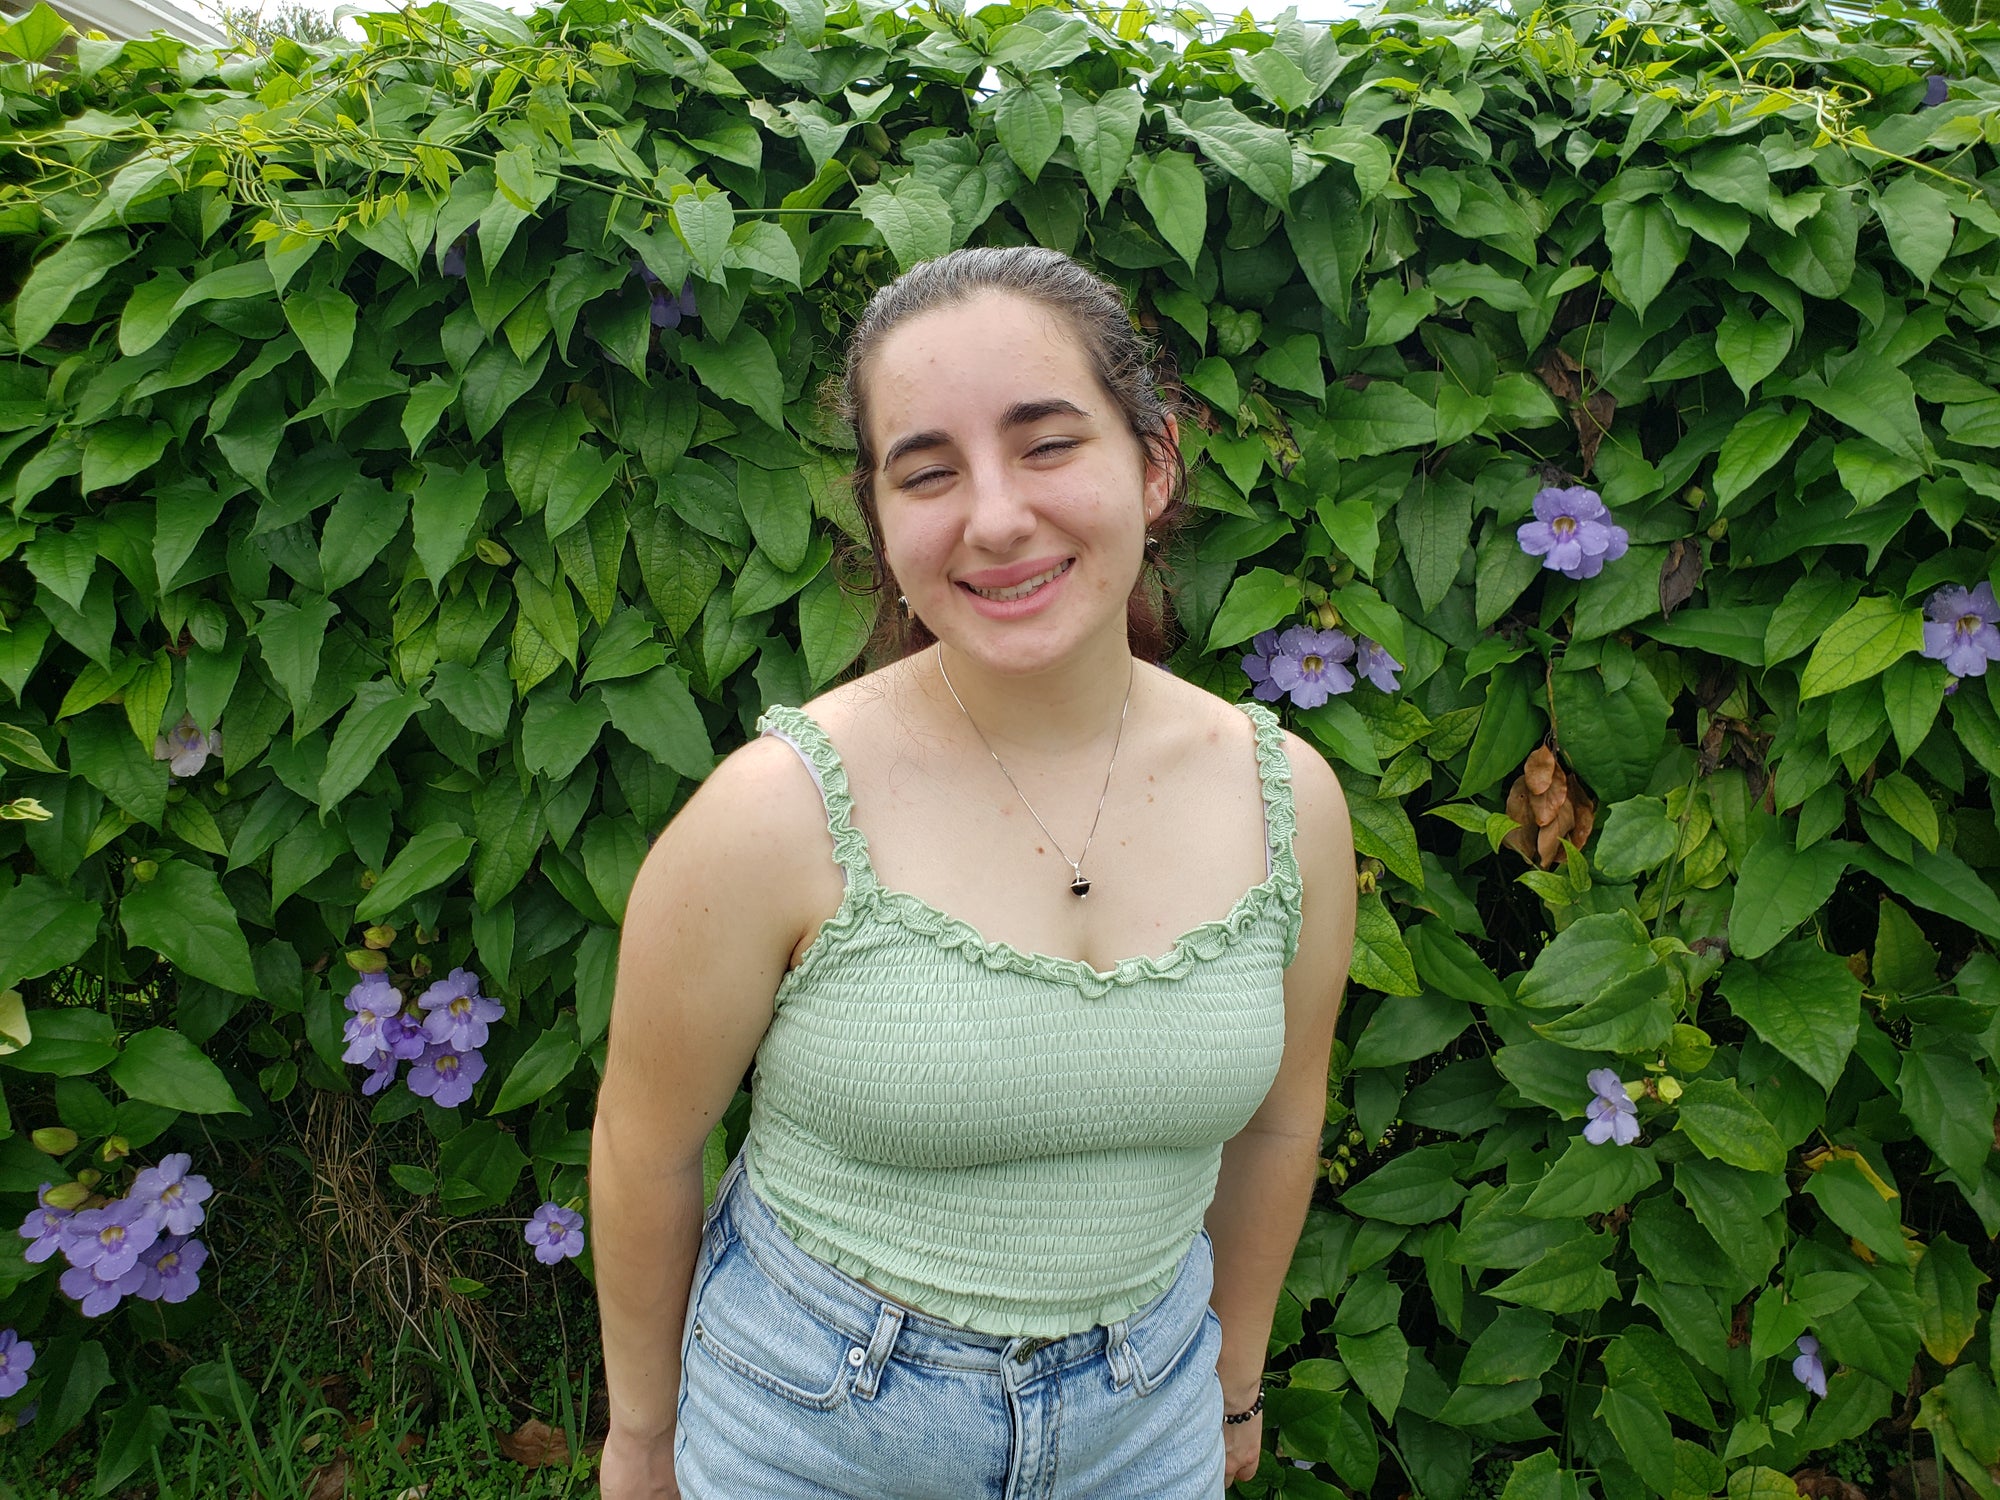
1680 574
329 1480
1817 1484
1592 419
535 1445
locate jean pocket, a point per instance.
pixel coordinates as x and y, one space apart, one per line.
757 1331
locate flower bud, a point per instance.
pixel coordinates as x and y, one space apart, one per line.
1328 616
55 1140
1668 1088
489 551
1719 530
1695 496
68 1195
1364 881
366 961
89 1177
424 935
876 137
177 793
420 966
143 870
222 789
379 937
115 1149
368 879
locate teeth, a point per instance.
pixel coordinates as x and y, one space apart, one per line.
1024 588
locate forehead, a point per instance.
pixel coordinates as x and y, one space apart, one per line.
990 350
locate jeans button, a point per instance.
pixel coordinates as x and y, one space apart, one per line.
856 1355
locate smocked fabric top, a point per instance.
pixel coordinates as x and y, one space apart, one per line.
1016 1143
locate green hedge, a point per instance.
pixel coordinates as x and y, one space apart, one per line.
438 422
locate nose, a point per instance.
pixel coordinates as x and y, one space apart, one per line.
999 517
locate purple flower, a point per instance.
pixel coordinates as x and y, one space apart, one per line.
16 1355
1959 630
108 1240
668 311
1257 666
1807 1368
454 258
1572 533
47 1226
185 748
172 1270
1376 664
374 994
445 1077
378 1028
381 1073
457 1014
99 1293
1308 665
1613 1116
171 1194
556 1233
1937 87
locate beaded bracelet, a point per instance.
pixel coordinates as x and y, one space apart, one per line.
1244 1416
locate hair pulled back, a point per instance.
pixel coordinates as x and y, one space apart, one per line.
1119 356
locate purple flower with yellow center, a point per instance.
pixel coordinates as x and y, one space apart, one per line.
46 1225
1309 665
186 747
16 1355
108 1240
376 1023
97 1292
1257 667
1807 1368
1960 629
171 1194
1613 1116
556 1233
1376 664
456 1014
1573 533
381 1073
445 1077
172 1270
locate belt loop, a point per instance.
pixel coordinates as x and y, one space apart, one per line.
1117 1354
888 1324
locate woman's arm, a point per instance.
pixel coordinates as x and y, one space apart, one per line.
1267 1170
718 907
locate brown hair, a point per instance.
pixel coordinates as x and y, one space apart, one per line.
1119 356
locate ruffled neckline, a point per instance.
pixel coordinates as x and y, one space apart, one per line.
1206 940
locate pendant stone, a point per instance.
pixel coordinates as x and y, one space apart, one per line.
1080 886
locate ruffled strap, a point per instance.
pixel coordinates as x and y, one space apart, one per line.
1281 821
800 730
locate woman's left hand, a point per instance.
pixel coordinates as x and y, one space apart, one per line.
1242 1446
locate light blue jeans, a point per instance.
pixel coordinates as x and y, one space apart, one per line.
800 1383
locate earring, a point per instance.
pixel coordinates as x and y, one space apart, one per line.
904 600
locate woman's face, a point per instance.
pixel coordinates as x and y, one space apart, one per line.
1013 498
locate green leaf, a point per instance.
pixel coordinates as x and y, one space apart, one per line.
596 979
1754 444
67 1043
1637 836
1818 256
43 927
1937 881
1852 1202
432 856
1510 726
658 714
704 220
1381 959
1170 185
1950 1103
363 522
1778 887
1802 1000
1028 117
1258 600
912 216
182 914
509 825
290 637
1867 640
557 732
1907 806
580 477
1408 1027
546 1063
478 1167
1103 134
1434 520
1570 1277
1415 1187
19 747
834 625
36 33
778 505
1647 246
1612 738
1632 1015
58 279
1644 1437
741 368
323 317
121 449
1751 348
1257 156
443 511
1589 1179
136 1429
1947 1298
1876 399
368 729
1726 1127
165 1068
1918 220
1379 1363
1538 1477
1380 418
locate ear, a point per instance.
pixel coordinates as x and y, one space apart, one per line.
1160 475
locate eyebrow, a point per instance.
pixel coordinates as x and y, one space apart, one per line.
1020 414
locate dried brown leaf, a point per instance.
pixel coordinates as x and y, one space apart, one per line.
1680 574
1817 1484
1541 769
1592 418
329 1480
535 1445
1559 371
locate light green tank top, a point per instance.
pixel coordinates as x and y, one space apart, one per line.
1013 1142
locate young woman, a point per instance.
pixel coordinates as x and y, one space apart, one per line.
1036 950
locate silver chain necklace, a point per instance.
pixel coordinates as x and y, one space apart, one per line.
1079 883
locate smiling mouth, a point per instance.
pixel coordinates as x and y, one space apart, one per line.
1025 587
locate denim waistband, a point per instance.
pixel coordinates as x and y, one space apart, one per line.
886 1327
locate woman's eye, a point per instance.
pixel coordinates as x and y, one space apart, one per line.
921 478
1052 447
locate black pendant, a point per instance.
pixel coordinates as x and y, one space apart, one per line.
1080 886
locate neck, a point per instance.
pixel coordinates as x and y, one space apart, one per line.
1050 713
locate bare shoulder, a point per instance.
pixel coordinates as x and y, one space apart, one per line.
1317 798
